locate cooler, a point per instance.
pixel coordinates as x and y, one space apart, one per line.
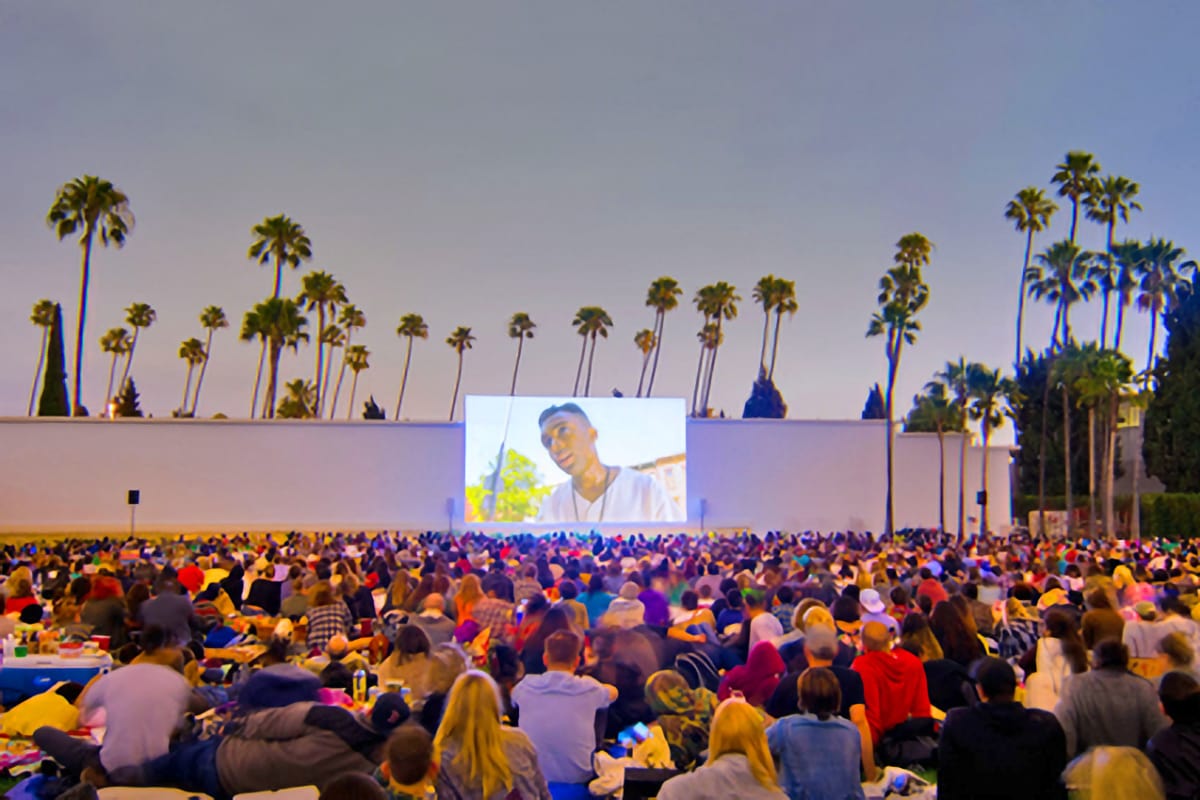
24 677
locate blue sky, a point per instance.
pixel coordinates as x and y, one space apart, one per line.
469 160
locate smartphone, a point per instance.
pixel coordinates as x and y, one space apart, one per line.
633 735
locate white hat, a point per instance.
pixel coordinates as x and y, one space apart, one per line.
869 600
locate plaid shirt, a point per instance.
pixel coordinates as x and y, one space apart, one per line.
325 622
496 615
526 588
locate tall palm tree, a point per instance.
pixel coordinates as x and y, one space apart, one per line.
1158 276
937 412
212 319
138 315
43 317
590 322
766 294
351 318
956 377
356 359
299 401
724 300
1108 200
645 342
710 338
902 294
1092 394
520 327
1062 275
279 240
91 206
704 304
990 392
786 304
252 328
116 342
600 324
663 296
1110 379
321 292
1030 212
412 326
191 351
1064 371
1075 177
283 326
1128 256
460 340
333 338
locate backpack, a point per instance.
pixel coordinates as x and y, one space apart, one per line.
698 670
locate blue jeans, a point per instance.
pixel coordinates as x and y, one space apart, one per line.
191 766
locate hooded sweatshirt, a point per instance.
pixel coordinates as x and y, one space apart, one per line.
757 679
1176 753
894 687
1001 750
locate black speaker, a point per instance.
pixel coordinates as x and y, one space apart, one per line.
135 497
981 498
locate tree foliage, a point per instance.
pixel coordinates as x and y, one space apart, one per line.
519 496
874 407
766 402
53 402
128 401
1172 422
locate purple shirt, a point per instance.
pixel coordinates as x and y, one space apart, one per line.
657 611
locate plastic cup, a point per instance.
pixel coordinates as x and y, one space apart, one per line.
21 651
102 642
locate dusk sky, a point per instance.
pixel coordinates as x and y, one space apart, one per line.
469 160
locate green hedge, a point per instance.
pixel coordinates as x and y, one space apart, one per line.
1173 515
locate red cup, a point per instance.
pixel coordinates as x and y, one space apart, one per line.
366 627
102 641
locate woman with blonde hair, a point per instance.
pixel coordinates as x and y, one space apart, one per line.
739 763
478 758
1018 630
470 592
1114 773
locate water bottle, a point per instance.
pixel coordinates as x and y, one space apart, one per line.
360 686
10 647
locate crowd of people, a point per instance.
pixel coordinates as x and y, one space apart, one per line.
470 666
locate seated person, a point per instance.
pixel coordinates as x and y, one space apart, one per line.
1175 751
894 683
433 620
739 763
409 771
817 751
408 663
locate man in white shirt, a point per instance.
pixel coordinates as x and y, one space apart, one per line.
763 626
596 492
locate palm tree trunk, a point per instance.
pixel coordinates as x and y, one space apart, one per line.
112 374
712 368
1150 354
587 386
512 391
278 272
1112 268
37 376
1066 403
1074 217
1021 296
762 355
320 360
983 507
1135 510
404 378
337 389
660 321
962 475
1091 472
1057 325
262 358
353 391
642 376
775 346
579 369
457 381
1121 303
696 386
328 376
1048 364
273 380
129 357
203 368
187 388
893 367
1066 324
77 407
1109 468
941 479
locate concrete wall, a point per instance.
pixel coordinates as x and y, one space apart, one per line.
210 475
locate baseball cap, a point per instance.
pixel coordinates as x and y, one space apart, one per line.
1145 610
389 712
870 600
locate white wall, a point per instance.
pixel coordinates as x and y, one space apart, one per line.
211 475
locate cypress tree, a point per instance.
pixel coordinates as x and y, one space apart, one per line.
53 402
127 401
1171 432
875 407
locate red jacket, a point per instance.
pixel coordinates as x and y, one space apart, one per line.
934 589
894 688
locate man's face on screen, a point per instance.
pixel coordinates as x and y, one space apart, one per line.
570 441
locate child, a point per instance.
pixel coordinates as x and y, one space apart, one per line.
408 771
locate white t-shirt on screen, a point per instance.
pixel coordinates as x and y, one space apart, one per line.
632 497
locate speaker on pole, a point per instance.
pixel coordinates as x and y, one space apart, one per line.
133 498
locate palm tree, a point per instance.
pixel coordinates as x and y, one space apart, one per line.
786 304
299 401
724 299
645 342
1063 276
1075 177
115 341
356 359
138 315
663 296
333 338
1158 276
461 341
212 319
990 392
351 319
43 317
1110 380
710 337
191 351
704 304
1108 200
321 292
590 322
1063 373
283 326
766 294
281 240
1030 212
520 327
902 294
89 205
1128 256
956 376
937 412
252 328
1091 395
412 326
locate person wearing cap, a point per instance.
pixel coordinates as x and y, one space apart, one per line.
1142 634
365 732
596 492
1000 749
626 611
875 611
